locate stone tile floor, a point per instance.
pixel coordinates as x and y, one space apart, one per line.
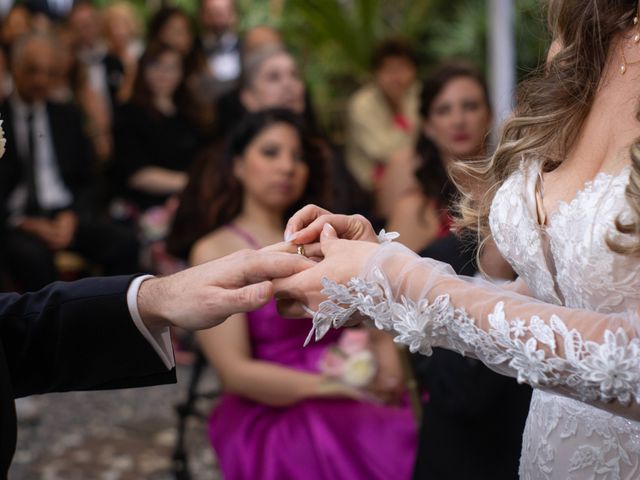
113 435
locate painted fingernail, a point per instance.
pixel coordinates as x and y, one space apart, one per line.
290 237
327 229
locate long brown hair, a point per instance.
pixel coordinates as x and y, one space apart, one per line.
552 106
182 97
213 196
432 171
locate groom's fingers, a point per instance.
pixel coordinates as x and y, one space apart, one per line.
245 299
311 250
282 247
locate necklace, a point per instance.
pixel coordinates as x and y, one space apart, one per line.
636 39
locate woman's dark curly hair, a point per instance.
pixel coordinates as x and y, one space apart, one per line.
213 196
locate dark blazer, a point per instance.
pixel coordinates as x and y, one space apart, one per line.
70 336
72 151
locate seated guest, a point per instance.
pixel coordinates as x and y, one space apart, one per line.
221 43
229 106
121 33
470 408
259 37
105 71
282 414
16 23
270 78
46 181
382 116
155 133
455 121
155 140
72 85
171 26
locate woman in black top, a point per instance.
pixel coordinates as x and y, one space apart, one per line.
470 409
156 137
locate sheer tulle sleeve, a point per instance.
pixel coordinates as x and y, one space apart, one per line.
587 355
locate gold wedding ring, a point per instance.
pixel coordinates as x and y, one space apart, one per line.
301 250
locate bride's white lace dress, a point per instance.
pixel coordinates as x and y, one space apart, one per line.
566 438
573 334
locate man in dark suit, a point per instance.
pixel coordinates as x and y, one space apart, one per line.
46 181
113 332
221 45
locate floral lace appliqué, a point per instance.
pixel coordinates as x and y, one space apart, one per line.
591 371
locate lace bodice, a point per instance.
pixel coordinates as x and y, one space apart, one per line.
587 273
565 438
576 338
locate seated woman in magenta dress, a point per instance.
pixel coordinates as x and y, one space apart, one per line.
281 417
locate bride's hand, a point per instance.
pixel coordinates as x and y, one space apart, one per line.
343 260
306 225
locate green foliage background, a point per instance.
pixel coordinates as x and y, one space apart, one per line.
333 39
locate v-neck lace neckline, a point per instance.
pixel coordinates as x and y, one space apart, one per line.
545 223
544 220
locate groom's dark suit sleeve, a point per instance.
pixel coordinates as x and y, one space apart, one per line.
70 336
76 336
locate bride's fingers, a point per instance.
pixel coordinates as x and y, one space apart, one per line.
313 251
327 236
312 232
302 218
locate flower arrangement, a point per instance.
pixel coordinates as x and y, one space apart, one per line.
351 360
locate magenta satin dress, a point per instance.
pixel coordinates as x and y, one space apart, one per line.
324 439
314 439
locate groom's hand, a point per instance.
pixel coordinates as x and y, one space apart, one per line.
204 296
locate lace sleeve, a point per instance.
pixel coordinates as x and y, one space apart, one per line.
584 354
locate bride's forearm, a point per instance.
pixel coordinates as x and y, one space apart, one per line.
581 353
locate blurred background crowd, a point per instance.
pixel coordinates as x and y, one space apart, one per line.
149 136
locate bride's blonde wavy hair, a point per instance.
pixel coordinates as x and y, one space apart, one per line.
552 105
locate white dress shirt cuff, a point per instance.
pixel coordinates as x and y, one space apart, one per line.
160 339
